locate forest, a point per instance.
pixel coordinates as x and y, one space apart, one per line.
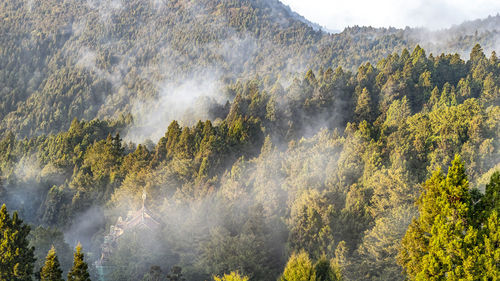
321 157
87 59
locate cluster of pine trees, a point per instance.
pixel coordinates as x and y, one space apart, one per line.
61 60
18 258
318 178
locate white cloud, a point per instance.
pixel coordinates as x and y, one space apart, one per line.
435 14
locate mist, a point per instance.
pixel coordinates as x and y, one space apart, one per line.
282 145
434 15
187 102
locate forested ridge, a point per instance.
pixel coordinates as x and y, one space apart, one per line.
328 169
61 60
371 154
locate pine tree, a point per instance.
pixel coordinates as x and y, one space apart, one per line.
442 243
299 268
476 55
16 257
433 99
489 261
363 106
51 271
79 271
492 194
172 137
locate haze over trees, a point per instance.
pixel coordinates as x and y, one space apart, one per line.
353 156
62 60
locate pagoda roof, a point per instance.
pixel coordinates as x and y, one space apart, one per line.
142 218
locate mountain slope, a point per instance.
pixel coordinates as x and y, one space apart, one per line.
62 59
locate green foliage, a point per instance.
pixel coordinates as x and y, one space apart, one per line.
135 252
233 276
446 241
363 106
79 271
381 244
299 268
71 74
249 251
491 197
43 239
337 174
16 255
327 270
51 271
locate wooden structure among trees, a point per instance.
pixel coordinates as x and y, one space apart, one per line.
140 220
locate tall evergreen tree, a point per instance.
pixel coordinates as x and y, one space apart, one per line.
489 261
16 257
443 242
79 271
492 194
363 106
51 271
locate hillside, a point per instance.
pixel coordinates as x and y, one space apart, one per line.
234 140
61 60
276 176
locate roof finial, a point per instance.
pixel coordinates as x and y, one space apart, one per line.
143 197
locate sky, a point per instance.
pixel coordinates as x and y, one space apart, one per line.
434 14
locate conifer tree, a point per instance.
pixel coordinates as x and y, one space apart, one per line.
433 99
492 194
489 261
299 268
443 242
16 257
79 271
172 137
51 271
363 106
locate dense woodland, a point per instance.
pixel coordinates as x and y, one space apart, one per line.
311 168
277 178
86 59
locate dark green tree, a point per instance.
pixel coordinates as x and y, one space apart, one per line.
17 258
489 260
492 194
327 270
364 105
